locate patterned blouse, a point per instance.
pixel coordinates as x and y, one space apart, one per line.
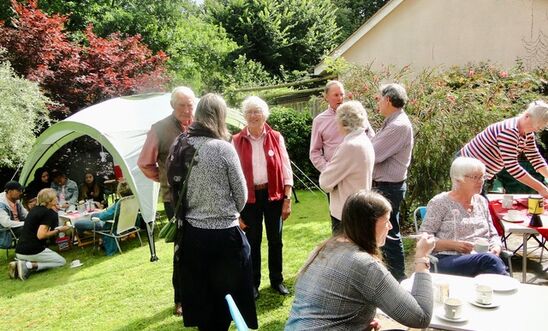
447 219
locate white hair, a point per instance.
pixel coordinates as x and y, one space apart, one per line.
332 83
538 110
352 116
254 102
463 166
182 90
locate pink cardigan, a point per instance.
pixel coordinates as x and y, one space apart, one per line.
350 170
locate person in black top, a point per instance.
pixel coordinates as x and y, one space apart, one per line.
41 223
41 181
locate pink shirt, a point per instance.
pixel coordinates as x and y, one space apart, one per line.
325 138
149 154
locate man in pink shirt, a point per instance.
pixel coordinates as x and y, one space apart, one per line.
156 148
325 136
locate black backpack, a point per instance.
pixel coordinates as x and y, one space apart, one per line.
177 164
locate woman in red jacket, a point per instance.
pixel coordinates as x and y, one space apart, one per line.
269 179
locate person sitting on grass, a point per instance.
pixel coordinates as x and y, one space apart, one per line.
31 251
87 224
344 281
459 218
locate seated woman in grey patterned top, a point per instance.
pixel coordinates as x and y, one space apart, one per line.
459 218
344 280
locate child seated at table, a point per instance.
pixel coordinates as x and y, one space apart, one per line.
458 219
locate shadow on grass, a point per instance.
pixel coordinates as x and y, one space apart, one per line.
148 322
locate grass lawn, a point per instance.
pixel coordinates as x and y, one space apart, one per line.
127 292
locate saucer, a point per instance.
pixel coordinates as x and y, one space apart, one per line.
506 219
493 304
499 283
441 315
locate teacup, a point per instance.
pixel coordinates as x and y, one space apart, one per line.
453 308
484 294
481 245
514 215
75 263
507 201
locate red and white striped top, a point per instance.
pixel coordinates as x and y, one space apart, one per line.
499 145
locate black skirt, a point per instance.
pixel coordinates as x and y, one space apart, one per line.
214 263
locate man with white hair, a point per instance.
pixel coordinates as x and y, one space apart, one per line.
499 145
393 145
152 160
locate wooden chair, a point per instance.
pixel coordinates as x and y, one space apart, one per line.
124 222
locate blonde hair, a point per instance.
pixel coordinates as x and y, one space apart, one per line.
45 197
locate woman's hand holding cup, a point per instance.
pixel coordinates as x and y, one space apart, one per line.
425 245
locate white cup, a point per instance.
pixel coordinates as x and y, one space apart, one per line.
514 215
507 201
75 263
484 294
481 245
453 308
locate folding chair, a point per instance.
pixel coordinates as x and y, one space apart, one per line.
235 313
9 239
418 216
124 222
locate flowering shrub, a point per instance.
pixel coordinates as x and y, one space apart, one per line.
447 108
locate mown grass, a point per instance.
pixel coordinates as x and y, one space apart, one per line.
127 292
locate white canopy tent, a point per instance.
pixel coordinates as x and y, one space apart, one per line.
120 125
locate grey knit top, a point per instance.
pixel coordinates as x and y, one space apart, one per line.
343 286
216 187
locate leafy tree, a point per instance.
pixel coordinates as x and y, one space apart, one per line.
285 34
351 14
74 74
23 113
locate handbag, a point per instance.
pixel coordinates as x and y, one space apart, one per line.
169 230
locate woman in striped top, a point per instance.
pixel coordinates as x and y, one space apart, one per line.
499 145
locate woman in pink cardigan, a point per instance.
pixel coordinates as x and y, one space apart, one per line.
351 167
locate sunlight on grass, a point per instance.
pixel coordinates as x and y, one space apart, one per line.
127 292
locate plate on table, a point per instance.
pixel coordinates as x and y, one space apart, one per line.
440 313
499 283
493 304
506 219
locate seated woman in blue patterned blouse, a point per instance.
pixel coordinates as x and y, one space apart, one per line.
460 218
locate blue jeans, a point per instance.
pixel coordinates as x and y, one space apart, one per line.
471 265
393 249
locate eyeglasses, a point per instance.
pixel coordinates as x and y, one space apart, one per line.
478 178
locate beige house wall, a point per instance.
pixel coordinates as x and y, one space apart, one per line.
428 33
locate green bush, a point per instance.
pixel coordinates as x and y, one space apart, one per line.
295 128
447 109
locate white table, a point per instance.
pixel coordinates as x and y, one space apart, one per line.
522 309
519 229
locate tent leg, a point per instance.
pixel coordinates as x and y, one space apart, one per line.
151 245
295 195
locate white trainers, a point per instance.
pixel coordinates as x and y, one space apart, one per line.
12 269
22 270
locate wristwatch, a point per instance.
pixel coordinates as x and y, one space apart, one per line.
287 197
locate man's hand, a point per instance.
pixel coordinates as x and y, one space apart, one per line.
286 209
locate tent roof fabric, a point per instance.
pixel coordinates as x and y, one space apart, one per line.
120 125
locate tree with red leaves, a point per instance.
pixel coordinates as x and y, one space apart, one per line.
76 75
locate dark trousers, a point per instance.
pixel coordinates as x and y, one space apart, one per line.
252 215
168 207
215 262
471 265
336 227
392 249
